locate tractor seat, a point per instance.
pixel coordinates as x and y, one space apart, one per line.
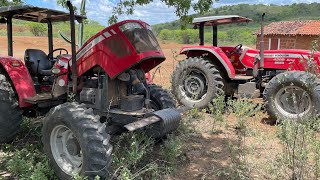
37 62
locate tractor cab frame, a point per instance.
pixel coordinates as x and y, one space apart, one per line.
33 14
215 21
26 77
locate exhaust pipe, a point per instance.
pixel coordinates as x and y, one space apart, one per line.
82 13
259 60
262 42
73 48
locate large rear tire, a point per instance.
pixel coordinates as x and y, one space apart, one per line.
76 142
196 82
10 113
160 99
292 95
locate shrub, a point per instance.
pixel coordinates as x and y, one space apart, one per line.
188 36
191 36
171 150
37 29
90 29
217 109
166 34
297 140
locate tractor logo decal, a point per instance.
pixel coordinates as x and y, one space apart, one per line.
293 56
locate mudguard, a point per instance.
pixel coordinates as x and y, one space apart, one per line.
215 51
20 78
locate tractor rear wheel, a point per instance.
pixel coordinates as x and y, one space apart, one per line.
196 82
292 95
10 113
76 142
160 99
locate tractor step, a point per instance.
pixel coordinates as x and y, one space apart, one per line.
141 112
242 77
142 123
43 97
248 90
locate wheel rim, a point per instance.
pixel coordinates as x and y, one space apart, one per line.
194 86
293 101
66 150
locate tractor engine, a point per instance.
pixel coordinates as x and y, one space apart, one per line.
127 92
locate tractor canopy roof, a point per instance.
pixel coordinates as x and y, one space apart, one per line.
219 20
36 14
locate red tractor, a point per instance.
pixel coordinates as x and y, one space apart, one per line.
104 79
210 71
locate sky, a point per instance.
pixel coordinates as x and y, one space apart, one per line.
153 13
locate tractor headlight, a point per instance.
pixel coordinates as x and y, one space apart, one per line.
55 71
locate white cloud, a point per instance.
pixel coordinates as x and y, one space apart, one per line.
99 10
155 12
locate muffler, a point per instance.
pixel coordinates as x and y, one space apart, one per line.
169 118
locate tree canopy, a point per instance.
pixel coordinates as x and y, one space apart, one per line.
7 3
181 7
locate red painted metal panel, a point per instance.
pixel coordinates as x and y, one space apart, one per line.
20 78
216 51
111 50
290 59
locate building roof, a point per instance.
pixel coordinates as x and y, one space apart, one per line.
35 14
218 20
310 27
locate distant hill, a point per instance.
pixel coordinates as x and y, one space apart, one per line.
274 13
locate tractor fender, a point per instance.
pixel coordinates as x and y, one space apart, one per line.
20 78
218 53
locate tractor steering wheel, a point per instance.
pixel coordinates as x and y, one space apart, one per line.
236 49
51 53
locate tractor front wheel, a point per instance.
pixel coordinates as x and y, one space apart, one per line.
76 142
292 95
10 113
196 82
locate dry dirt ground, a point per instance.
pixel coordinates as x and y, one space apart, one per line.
205 154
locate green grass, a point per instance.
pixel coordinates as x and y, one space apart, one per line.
24 158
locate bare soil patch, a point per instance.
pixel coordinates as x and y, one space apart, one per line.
21 43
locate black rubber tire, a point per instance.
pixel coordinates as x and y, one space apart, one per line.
303 80
90 133
317 98
10 113
214 85
160 99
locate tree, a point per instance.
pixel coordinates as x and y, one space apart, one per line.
182 8
7 3
63 3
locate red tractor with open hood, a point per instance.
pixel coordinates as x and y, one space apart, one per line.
278 75
87 95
